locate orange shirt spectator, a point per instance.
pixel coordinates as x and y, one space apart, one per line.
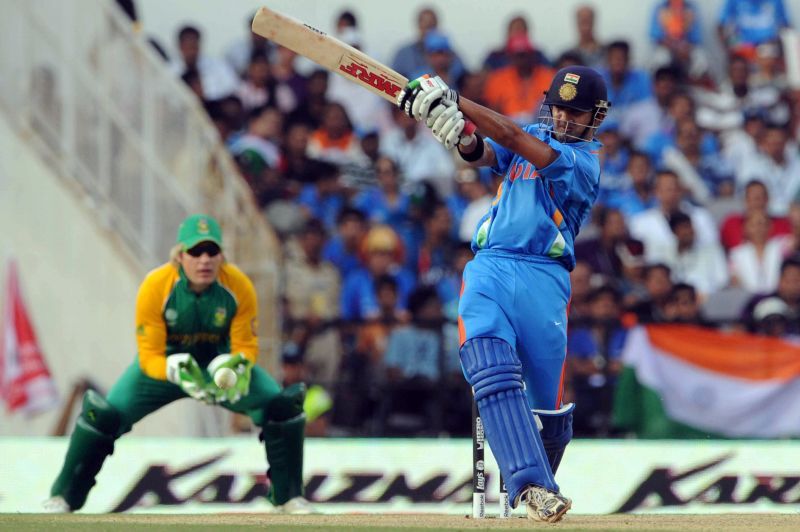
517 90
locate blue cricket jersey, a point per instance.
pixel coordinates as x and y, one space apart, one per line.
539 211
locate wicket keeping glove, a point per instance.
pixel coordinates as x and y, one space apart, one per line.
243 369
183 370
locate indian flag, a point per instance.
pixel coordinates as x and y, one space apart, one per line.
682 381
569 77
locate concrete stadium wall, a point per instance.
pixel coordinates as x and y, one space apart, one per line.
79 287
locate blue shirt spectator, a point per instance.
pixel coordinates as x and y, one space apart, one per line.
336 253
359 299
321 205
752 22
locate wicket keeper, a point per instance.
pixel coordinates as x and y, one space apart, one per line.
195 316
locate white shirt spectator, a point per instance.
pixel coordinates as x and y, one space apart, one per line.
217 77
783 181
757 275
652 228
420 158
703 266
472 215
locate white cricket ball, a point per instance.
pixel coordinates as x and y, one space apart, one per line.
225 378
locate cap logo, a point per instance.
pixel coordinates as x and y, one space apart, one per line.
202 226
569 77
567 92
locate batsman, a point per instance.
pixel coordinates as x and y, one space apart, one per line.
515 292
196 320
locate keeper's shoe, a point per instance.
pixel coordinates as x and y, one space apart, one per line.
56 505
545 505
297 506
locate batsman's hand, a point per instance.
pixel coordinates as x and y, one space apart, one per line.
183 370
423 94
243 369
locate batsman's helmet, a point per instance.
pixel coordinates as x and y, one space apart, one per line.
578 87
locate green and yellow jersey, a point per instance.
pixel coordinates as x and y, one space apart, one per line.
170 318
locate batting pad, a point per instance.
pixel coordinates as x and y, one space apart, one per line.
495 374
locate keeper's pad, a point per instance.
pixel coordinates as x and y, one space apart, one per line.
495 374
91 442
283 434
556 432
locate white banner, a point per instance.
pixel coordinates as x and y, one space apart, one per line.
224 475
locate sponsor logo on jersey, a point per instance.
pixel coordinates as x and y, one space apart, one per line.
219 316
171 315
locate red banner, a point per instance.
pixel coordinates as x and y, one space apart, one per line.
25 381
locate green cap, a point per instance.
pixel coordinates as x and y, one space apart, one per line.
199 228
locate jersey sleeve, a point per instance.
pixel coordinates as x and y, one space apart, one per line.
151 330
244 326
503 156
574 171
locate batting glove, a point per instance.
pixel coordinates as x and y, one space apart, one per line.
423 94
183 370
243 369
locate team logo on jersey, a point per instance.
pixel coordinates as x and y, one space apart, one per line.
219 317
569 77
567 92
171 315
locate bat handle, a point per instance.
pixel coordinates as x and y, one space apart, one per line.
469 129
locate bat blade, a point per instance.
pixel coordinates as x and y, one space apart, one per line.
329 52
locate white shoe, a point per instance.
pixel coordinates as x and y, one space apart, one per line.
297 506
56 505
544 505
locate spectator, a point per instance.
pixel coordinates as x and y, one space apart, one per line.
335 141
470 203
756 199
658 286
652 225
744 24
676 31
630 90
637 195
790 243
384 203
613 163
258 156
773 317
588 49
449 287
594 361
312 291
417 153
788 291
323 199
603 253
420 358
755 264
703 174
499 58
239 54
703 267
295 165
311 109
436 250
412 57
257 89
216 77
366 110
777 164
343 249
517 89
441 59
580 279
382 254
683 306
285 73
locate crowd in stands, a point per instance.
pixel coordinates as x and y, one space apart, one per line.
697 220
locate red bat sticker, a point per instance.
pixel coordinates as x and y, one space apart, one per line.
361 72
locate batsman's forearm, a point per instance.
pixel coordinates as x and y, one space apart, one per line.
504 131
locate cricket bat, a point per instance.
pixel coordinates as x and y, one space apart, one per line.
329 52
